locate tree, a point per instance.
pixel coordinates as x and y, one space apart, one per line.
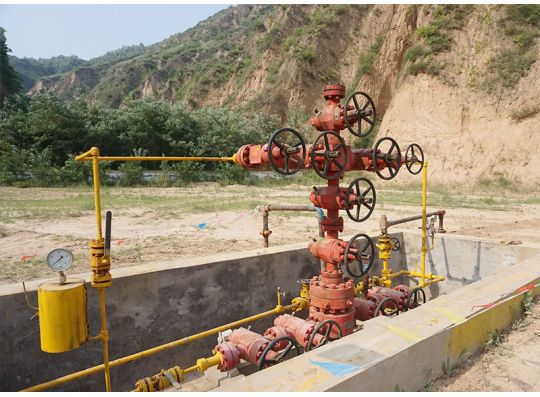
10 81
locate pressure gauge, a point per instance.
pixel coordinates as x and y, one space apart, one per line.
60 259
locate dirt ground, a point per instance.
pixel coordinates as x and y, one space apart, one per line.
152 224
509 363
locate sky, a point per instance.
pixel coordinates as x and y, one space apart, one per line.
88 30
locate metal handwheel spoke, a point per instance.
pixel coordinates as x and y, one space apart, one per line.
365 112
412 160
326 336
363 253
264 362
336 156
391 159
286 151
362 199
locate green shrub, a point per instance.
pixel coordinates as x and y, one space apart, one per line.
414 52
273 72
305 53
366 60
258 25
418 67
510 65
524 112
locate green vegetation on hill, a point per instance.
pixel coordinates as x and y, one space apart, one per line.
436 37
521 24
31 69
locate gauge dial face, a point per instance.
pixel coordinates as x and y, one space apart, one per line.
60 259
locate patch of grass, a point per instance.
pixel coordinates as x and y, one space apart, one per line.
522 26
3 231
524 112
527 303
495 338
508 67
269 38
416 51
366 60
435 37
498 181
305 53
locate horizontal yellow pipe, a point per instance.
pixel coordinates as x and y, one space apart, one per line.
146 353
397 274
84 156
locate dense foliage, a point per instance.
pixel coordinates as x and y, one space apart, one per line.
40 135
9 80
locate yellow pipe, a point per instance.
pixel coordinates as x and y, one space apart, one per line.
105 338
82 157
97 195
397 274
149 352
424 224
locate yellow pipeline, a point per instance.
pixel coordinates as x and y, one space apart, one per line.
104 336
94 155
149 352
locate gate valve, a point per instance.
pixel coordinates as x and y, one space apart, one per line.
301 330
414 297
360 108
330 330
250 345
360 192
359 251
329 198
385 247
365 307
329 155
329 250
331 117
286 151
389 159
399 293
414 158
275 333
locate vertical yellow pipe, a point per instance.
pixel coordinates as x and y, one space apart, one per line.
105 338
104 335
424 224
97 195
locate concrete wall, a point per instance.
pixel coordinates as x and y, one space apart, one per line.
152 304
463 260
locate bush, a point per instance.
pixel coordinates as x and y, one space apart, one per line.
305 53
524 113
510 65
414 52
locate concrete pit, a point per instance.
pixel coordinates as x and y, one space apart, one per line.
156 303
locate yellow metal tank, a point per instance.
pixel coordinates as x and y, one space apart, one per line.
63 318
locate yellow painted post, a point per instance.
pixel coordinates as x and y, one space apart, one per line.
97 193
424 225
105 338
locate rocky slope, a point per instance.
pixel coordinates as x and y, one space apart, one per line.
462 81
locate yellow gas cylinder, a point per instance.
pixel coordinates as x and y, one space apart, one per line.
63 318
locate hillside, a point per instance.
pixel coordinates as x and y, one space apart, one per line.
31 70
462 81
